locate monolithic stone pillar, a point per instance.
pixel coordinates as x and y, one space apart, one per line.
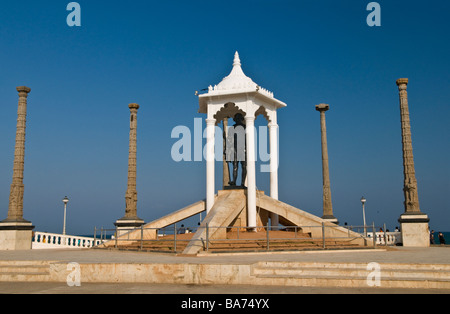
131 220
327 204
414 223
15 231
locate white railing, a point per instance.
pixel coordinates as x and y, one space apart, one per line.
45 240
392 238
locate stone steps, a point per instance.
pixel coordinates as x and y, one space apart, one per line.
269 273
19 271
244 244
155 246
274 245
352 275
231 245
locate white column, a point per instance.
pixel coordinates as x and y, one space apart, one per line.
251 172
210 177
273 133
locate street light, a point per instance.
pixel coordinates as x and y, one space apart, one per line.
65 201
363 201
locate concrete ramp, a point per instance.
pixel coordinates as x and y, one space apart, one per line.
227 207
308 222
150 228
177 216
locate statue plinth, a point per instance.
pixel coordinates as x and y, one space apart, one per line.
16 235
415 229
125 225
235 187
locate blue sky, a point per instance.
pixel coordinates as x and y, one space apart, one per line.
158 53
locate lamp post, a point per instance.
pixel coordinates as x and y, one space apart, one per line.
65 201
363 201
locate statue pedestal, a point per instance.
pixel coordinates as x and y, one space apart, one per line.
125 225
415 230
16 235
234 187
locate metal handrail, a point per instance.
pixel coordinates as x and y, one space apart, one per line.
268 238
206 242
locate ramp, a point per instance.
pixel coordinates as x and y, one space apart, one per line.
150 228
177 216
227 207
308 222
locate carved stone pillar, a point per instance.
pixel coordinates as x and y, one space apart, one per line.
131 220
327 204
414 223
15 231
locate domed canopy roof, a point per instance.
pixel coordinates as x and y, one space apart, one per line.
237 83
237 79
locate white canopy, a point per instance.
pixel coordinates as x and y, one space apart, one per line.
235 84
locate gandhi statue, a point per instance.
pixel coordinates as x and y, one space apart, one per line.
236 149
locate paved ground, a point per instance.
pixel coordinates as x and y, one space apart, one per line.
106 288
433 255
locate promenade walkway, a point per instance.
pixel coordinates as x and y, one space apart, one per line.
190 270
433 255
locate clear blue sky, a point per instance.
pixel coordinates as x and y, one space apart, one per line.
158 53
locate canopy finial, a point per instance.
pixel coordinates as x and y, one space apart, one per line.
236 61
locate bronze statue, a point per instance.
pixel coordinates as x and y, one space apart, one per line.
236 149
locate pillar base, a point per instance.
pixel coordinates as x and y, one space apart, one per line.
16 235
415 229
331 218
274 221
124 225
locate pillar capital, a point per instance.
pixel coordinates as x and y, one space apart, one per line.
23 89
322 107
402 83
133 106
249 118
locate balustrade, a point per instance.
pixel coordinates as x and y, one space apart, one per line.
44 240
